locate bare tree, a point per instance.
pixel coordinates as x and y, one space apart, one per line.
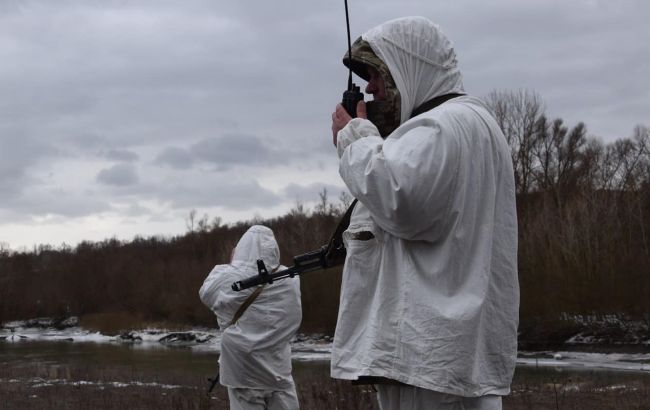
322 207
5 249
558 160
190 220
593 154
624 166
299 209
642 136
202 224
216 222
517 113
345 199
639 182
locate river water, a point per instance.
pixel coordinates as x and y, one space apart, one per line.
52 358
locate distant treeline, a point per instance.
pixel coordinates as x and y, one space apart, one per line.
584 222
156 279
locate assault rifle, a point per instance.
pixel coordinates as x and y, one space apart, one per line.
329 255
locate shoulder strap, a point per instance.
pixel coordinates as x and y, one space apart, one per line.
335 252
242 308
433 103
249 301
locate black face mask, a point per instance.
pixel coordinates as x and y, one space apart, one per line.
384 115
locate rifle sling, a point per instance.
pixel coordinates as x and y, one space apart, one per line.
345 222
335 253
242 308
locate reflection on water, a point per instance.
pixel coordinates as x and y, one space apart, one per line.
104 355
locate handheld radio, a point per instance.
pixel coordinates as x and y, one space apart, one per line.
353 94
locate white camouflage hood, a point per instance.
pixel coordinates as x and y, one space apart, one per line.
257 243
420 58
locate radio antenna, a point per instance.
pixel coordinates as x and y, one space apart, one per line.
353 94
347 22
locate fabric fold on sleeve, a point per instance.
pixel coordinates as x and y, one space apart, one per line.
386 176
356 129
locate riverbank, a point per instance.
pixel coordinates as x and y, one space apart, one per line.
600 332
579 351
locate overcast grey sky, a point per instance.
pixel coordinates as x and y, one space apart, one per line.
119 117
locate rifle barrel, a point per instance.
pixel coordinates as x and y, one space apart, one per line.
298 269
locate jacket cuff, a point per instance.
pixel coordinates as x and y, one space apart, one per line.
356 129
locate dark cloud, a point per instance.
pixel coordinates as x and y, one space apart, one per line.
222 153
87 142
136 210
118 175
236 193
120 155
69 204
178 158
313 193
235 149
49 203
19 154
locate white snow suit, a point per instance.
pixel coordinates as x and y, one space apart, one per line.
255 360
430 298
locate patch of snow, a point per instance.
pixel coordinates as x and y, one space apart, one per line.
615 387
608 329
610 361
40 382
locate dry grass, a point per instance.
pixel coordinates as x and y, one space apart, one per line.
581 389
109 323
45 387
87 386
555 393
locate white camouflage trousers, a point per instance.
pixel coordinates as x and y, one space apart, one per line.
258 399
395 397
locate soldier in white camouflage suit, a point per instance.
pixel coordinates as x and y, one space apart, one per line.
430 296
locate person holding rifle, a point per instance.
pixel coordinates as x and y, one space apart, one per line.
258 325
430 296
